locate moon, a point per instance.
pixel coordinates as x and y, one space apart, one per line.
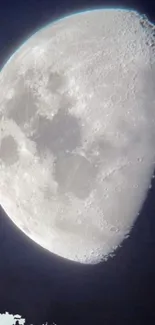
77 132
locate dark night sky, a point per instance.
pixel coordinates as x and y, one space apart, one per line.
41 286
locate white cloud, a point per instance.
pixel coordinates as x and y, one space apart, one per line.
9 319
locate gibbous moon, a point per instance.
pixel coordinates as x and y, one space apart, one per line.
77 132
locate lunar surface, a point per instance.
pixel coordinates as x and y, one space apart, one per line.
77 132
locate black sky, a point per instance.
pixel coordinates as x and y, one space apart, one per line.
41 286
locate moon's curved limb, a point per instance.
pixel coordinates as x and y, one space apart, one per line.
77 132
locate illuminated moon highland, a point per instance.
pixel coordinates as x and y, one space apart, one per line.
77 132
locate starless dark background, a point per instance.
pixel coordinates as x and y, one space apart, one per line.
42 286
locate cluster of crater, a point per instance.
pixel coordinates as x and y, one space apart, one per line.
60 135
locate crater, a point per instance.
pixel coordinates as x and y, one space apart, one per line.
114 229
9 150
26 229
74 173
58 135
